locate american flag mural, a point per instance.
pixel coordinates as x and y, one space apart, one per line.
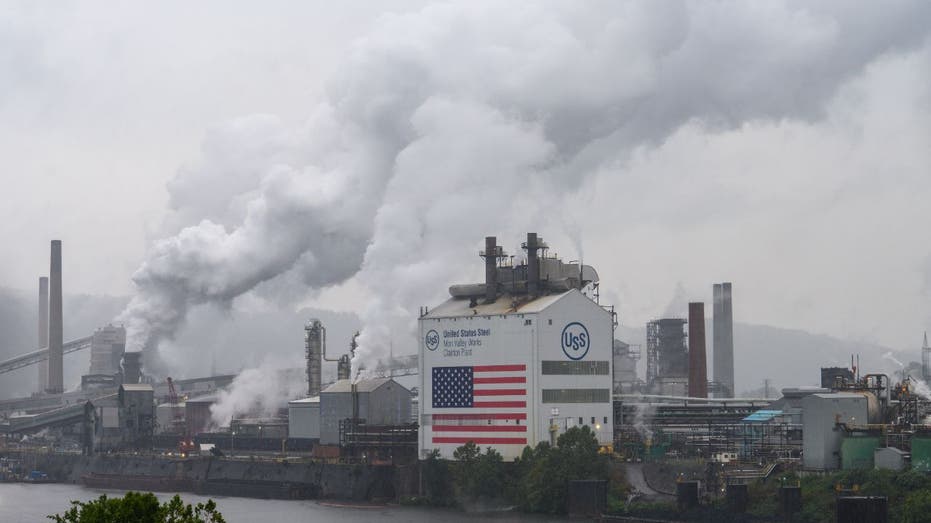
485 404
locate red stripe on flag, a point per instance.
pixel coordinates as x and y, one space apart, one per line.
490 415
498 368
479 428
482 441
500 404
498 380
499 392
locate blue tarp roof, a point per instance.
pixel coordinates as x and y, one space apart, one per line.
762 415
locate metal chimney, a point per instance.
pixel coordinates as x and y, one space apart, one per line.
314 343
43 332
55 383
698 366
533 264
723 336
491 269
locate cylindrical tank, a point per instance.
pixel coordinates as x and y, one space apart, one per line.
873 407
343 367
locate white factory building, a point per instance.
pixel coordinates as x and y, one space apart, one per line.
517 360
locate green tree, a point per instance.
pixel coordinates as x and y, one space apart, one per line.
136 507
437 480
479 475
547 471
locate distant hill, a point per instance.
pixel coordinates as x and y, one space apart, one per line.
225 342
787 357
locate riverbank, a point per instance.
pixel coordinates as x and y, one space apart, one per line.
212 476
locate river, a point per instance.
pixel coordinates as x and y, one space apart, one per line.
22 503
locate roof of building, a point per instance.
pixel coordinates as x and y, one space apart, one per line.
505 304
305 401
361 386
137 387
762 416
838 395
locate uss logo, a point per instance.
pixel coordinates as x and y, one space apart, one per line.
575 341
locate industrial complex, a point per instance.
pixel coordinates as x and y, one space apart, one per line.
509 362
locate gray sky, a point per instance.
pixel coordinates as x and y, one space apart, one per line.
778 145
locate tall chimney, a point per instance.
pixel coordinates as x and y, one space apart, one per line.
43 332
533 265
723 336
698 366
491 269
55 383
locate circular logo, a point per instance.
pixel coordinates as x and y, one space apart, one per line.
575 341
432 340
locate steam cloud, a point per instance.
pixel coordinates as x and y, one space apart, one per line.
463 119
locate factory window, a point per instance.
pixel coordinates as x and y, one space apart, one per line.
593 420
528 322
575 368
580 420
551 322
606 420
576 396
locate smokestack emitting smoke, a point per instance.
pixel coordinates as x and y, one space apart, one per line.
43 332
698 366
440 115
723 337
55 383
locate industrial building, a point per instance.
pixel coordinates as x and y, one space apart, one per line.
304 418
380 401
518 359
667 357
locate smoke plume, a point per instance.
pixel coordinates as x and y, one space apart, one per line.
474 118
258 391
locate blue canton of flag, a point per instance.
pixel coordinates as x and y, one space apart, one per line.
452 387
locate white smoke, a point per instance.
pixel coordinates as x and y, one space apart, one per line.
257 391
472 118
643 414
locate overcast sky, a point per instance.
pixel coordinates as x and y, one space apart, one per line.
783 146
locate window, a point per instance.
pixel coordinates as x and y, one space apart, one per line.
593 420
606 420
580 420
528 322
576 396
575 368
550 322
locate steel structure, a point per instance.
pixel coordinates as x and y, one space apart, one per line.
652 352
34 357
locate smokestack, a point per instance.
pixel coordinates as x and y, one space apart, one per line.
723 336
314 341
491 269
55 384
698 366
533 264
43 332
132 367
